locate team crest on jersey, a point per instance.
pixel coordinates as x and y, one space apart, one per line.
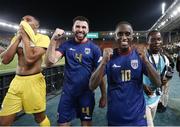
134 64
87 50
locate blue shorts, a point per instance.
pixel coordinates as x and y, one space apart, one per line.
81 107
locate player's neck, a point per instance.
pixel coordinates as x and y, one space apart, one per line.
154 52
81 41
124 52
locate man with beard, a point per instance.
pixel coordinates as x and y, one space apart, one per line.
125 67
82 56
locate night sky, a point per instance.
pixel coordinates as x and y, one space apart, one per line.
103 14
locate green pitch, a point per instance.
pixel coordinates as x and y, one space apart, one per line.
12 66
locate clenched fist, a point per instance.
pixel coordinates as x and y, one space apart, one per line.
142 50
107 53
57 34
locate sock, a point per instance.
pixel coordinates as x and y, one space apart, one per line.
45 122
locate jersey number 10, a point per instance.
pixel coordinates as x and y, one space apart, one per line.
125 75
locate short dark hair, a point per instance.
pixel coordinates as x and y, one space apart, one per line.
35 17
80 18
151 32
123 22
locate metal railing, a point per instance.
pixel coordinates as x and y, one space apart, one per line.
53 76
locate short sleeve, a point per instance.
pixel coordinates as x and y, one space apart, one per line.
97 55
42 41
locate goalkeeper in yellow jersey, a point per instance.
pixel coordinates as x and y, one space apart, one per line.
27 90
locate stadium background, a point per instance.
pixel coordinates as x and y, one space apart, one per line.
168 24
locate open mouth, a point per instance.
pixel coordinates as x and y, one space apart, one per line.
124 43
80 35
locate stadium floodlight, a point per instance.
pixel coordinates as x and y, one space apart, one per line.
163 23
163 7
4 24
43 31
178 9
67 33
175 12
111 33
15 27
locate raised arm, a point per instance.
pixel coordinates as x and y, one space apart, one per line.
31 55
98 74
52 56
8 55
152 73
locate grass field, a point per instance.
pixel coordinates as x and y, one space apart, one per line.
12 66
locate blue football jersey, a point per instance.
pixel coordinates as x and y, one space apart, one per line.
81 59
126 104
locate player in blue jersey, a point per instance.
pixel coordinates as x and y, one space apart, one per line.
82 57
125 67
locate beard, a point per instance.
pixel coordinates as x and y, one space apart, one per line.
80 36
154 49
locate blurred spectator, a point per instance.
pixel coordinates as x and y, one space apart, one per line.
178 61
1 49
170 58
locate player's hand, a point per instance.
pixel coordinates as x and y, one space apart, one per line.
57 34
102 102
164 81
142 50
22 34
18 35
148 90
107 53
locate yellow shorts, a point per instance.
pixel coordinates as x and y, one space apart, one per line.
26 93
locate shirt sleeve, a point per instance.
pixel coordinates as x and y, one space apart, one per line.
62 48
42 41
97 56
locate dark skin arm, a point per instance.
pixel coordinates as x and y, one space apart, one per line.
98 75
102 101
152 73
31 54
8 55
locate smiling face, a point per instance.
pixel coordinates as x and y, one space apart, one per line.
155 42
124 36
80 29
